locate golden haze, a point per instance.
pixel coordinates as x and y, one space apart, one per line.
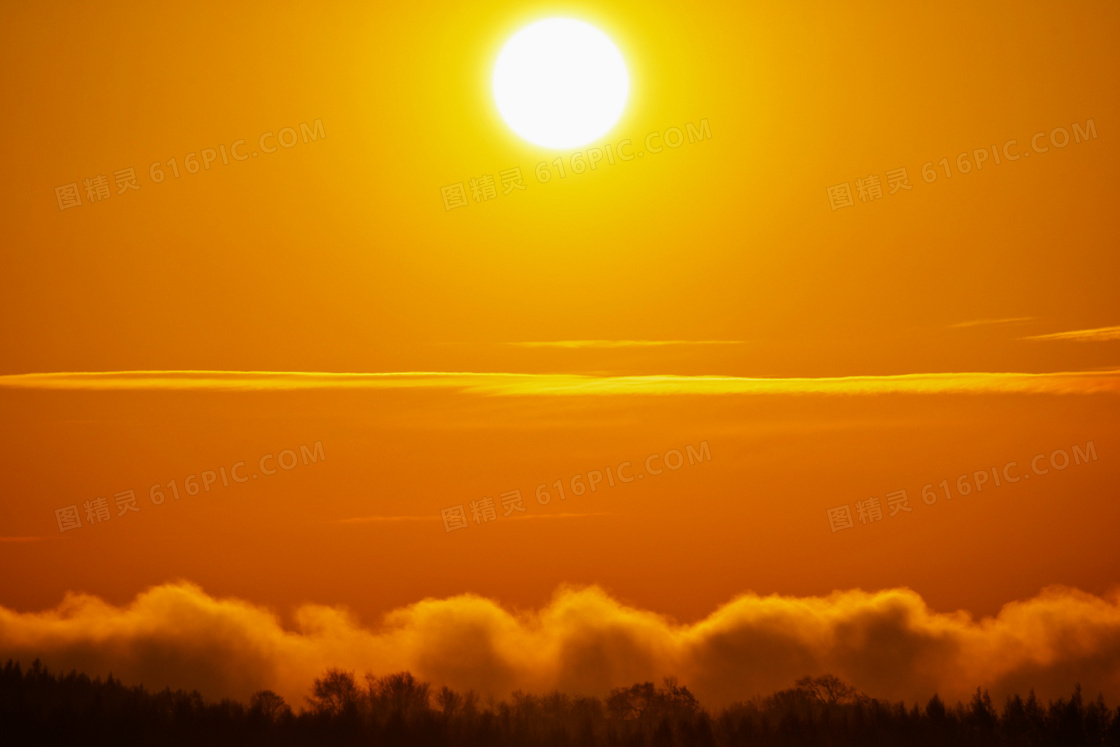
706 294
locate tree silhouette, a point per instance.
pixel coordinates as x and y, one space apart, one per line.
269 705
449 701
829 689
38 707
398 694
334 693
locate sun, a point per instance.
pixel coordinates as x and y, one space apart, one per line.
560 83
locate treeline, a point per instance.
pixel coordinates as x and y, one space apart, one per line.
41 708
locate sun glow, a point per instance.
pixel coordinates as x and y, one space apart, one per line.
560 83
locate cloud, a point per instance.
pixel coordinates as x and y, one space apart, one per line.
888 643
620 343
985 322
560 516
400 519
382 519
1100 334
520 384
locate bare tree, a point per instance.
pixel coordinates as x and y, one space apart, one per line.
829 689
399 693
470 703
449 701
269 705
334 693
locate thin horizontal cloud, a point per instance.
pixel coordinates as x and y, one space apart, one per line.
21 539
521 384
619 343
382 519
1099 334
550 517
404 519
233 380
583 641
984 322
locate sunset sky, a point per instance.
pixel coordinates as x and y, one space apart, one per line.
715 295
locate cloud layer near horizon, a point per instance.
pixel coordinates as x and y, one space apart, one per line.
889 644
523 384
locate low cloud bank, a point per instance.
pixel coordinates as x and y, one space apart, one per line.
888 644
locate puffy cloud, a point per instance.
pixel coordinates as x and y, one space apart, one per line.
888 643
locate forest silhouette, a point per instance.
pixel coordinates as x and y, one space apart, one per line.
40 707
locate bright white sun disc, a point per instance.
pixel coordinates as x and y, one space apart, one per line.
560 83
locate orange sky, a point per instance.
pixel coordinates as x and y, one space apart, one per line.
631 309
